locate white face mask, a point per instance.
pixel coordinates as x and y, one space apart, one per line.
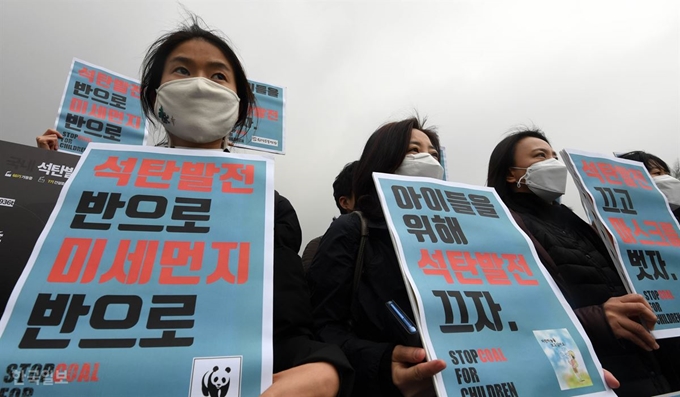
547 179
196 109
670 187
421 164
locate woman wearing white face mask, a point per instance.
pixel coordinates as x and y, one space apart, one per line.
661 174
198 91
195 87
356 318
527 176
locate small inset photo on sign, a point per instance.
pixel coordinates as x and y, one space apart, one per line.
216 377
565 358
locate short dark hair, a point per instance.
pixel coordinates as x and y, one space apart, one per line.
157 55
503 157
342 186
384 152
649 160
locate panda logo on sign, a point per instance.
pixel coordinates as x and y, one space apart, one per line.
216 383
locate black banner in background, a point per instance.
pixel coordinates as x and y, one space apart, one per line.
30 182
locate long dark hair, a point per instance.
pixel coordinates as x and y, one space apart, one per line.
503 157
649 160
384 152
157 55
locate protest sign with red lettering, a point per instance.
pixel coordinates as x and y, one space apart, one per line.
634 220
99 105
153 262
482 300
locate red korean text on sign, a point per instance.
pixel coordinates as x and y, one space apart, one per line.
79 260
646 232
476 268
616 175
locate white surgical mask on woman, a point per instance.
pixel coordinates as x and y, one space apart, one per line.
670 187
420 164
196 109
547 179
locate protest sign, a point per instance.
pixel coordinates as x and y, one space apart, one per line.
634 220
265 126
99 105
484 302
153 262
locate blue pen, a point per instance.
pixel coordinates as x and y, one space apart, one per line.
401 317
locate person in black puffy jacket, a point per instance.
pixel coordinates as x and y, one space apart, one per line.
294 342
385 361
525 172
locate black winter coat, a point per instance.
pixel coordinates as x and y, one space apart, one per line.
578 261
294 343
369 340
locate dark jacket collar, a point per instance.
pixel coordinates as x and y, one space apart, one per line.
531 204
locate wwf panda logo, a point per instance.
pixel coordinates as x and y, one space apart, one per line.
216 383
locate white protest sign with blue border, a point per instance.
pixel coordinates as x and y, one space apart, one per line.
485 304
153 263
99 105
265 129
623 200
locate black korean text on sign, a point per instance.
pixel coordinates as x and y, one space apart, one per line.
616 200
65 310
92 126
102 207
460 320
264 90
99 95
16 163
410 198
447 229
650 264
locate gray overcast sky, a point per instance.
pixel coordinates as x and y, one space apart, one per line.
594 75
